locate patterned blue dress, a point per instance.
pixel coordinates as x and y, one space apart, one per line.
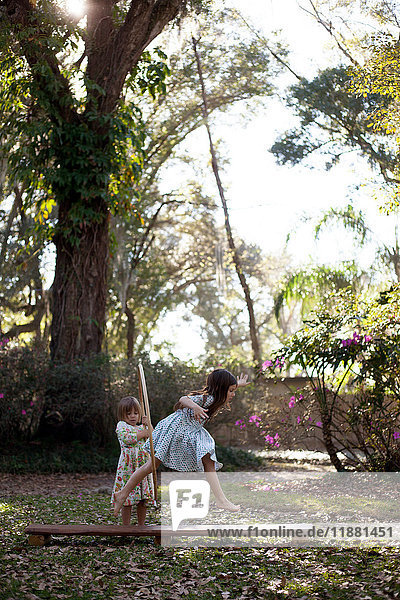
180 441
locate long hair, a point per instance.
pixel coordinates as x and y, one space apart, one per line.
217 385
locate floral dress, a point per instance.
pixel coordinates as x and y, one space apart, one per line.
132 457
180 441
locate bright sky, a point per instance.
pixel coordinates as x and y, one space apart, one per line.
266 200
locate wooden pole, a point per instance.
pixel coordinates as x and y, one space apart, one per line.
144 403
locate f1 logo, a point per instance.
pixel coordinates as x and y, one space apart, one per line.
189 499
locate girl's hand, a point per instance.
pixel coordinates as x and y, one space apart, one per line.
143 433
200 413
146 423
242 380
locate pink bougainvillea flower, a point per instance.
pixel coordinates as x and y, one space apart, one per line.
239 422
23 412
276 436
298 420
292 402
277 444
318 424
254 419
396 435
266 364
368 338
1 395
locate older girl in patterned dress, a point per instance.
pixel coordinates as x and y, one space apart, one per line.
131 437
182 443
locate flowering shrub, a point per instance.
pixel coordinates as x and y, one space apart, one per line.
257 421
349 351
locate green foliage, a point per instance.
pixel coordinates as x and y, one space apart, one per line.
387 253
332 119
79 400
22 385
310 285
61 144
235 459
61 417
350 352
166 382
49 455
379 75
166 258
349 218
150 75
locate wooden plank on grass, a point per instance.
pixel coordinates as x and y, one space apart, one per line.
128 530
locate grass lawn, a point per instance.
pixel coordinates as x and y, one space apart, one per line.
111 568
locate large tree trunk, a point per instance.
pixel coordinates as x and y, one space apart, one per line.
79 293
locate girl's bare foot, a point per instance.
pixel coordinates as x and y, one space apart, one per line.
228 506
118 503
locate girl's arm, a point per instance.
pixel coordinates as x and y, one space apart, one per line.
127 434
200 413
130 435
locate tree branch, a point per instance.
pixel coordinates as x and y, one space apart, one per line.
113 53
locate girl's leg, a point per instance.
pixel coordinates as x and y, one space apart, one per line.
133 481
212 478
141 511
126 513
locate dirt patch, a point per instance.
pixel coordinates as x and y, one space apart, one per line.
55 484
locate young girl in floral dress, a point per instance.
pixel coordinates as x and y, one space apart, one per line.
181 442
132 436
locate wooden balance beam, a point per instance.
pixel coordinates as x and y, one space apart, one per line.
40 534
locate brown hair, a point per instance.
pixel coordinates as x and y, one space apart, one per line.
217 385
126 405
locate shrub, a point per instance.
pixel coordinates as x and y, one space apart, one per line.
349 351
62 403
23 374
79 401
